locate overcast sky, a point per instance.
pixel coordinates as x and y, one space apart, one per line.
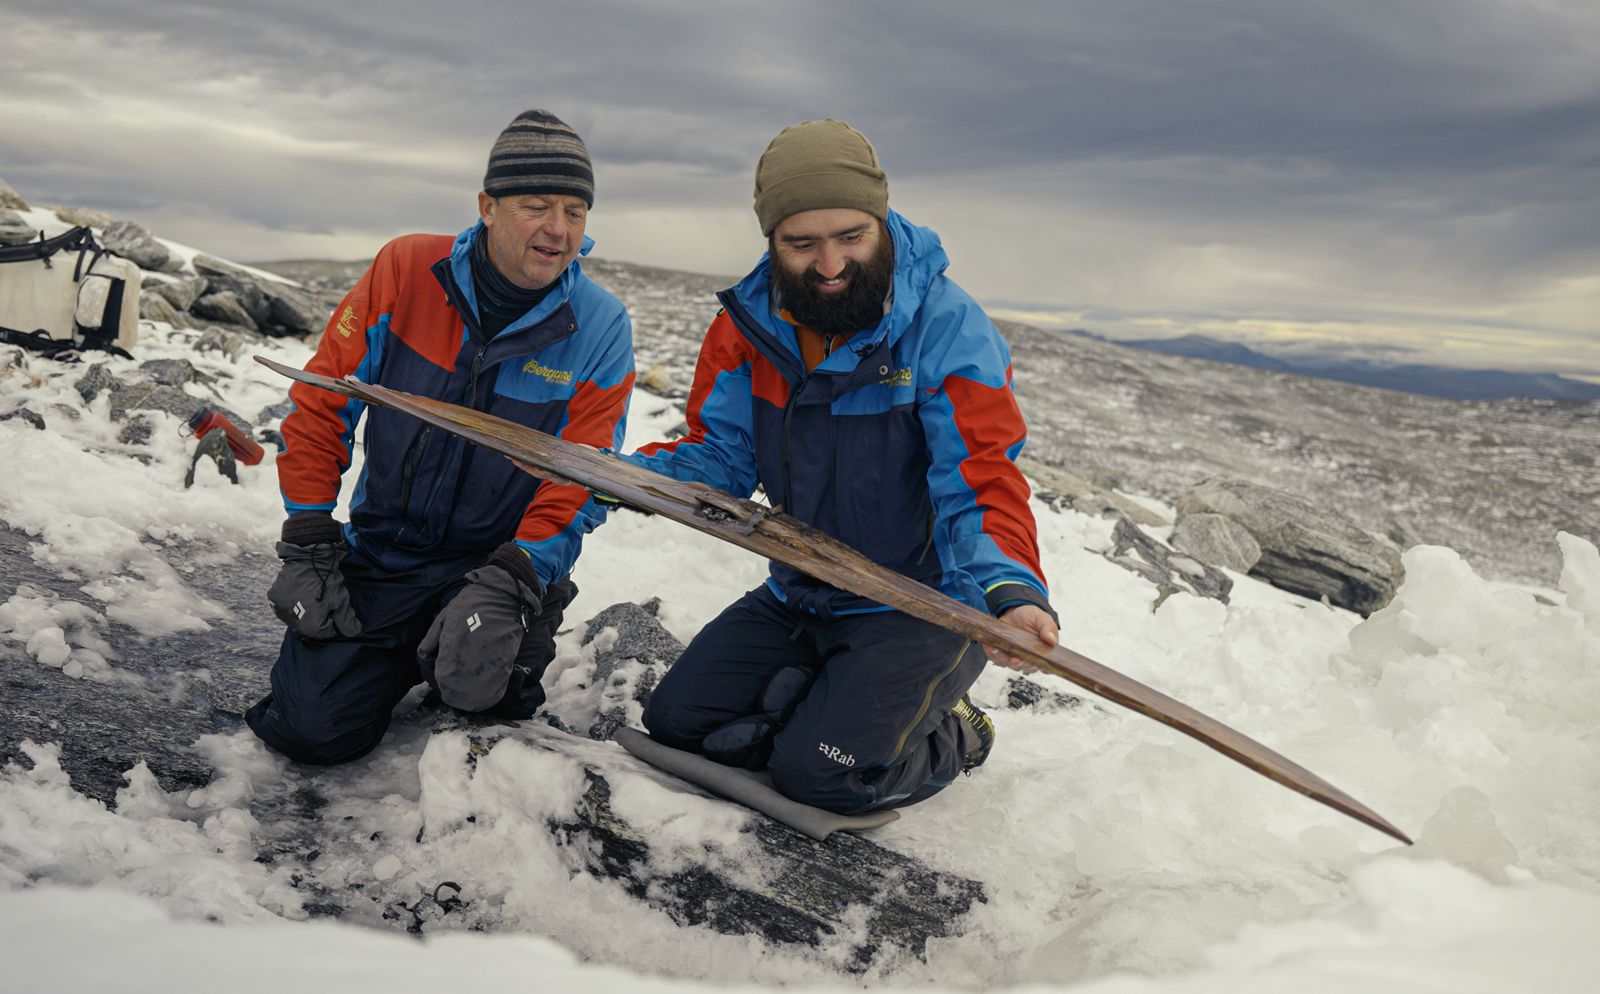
1421 176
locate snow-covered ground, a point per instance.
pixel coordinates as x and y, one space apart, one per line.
1116 854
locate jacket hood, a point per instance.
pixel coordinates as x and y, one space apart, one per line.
919 258
461 269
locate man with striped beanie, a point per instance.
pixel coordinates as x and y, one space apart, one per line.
454 565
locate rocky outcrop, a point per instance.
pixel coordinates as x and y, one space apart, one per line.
180 293
86 216
14 230
10 199
156 307
1304 550
138 246
1217 541
227 307
1060 488
273 307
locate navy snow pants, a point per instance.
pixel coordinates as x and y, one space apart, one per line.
847 714
330 701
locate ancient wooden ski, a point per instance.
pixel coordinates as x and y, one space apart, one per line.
770 533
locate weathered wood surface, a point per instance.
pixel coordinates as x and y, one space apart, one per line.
768 532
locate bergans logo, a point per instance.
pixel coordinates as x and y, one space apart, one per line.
561 376
900 378
347 322
836 754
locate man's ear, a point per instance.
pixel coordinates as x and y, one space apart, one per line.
486 206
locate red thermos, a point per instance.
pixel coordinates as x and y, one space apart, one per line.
209 419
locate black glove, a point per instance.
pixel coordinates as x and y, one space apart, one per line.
309 594
469 651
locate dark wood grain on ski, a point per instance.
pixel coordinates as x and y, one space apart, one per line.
778 536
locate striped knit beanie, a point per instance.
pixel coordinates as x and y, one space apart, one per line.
815 165
539 153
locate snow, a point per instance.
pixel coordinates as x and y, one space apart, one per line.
1118 856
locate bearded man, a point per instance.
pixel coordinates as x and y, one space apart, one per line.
871 398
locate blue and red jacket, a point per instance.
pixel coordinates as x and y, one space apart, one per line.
424 495
902 444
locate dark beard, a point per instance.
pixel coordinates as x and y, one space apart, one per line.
859 306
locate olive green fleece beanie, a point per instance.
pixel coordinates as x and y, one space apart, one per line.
819 164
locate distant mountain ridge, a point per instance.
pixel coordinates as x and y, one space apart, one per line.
1417 378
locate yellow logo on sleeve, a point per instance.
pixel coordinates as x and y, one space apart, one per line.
347 322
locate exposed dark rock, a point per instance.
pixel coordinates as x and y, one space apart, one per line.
136 431
32 418
10 199
87 216
172 372
215 339
96 380
275 307
227 307
275 412
1060 488
637 651
1216 540
156 307
134 243
1305 550
1169 571
14 230
181 293
294 311
213 446
773 882
1023 694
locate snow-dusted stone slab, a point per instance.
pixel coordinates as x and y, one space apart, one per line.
697 859
753 790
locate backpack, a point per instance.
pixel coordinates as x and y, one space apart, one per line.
62 295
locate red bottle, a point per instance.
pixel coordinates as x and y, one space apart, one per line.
209 419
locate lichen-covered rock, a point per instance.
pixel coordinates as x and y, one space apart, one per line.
26 415
156 307
136 431
134 243
86 216
10 199
275 307
224 306
14 230
1218 541
98 379
631 651
230 343
180 293
1304 549
172 372
1057 487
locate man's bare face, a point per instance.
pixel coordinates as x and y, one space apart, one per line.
533 237
832 268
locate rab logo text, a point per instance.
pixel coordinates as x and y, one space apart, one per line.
899 378
835 754
561 376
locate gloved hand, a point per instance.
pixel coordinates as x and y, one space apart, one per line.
309 594
470 648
